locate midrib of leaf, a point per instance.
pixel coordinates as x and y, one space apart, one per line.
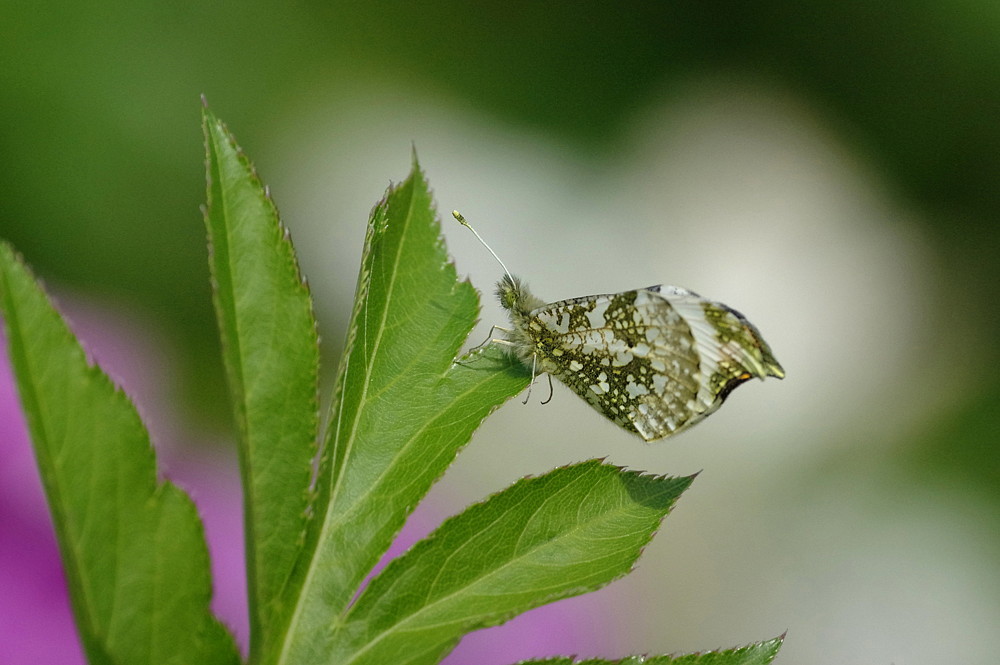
493 572
371 355
237 373
56 499
235 370
334 519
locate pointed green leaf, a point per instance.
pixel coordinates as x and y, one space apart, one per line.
761 653
570 531
133 548
271 354
403 407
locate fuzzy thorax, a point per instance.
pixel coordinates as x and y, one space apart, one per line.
515 297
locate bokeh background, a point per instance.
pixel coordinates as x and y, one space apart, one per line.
831 169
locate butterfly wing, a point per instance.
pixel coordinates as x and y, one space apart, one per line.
655 360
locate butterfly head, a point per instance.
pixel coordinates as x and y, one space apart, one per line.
515 297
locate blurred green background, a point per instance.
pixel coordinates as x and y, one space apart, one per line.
831 169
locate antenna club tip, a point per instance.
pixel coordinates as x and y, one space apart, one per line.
461 220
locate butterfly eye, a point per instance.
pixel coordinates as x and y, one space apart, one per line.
508 298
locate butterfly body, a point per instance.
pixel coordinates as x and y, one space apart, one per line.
655 360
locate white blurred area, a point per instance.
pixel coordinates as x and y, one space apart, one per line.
797 521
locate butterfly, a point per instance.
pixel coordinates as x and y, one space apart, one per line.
655 361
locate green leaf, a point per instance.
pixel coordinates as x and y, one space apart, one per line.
760 653
133 549
402 410
570 531
271 355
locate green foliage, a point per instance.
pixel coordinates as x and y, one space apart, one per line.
133 549
761 653
318 518
569 531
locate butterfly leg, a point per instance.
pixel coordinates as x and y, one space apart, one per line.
491 338
496 340
533 375
549 398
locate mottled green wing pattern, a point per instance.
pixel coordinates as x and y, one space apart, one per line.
655 361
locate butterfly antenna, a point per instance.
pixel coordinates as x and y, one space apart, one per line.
461 220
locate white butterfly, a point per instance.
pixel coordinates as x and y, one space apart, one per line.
655 361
